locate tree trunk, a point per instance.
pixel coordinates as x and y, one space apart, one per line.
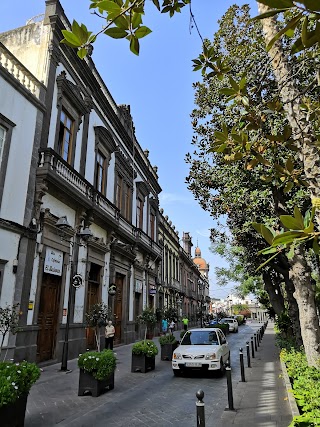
305 296
293 309
276 298
302 129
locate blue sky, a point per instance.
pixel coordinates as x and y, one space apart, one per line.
158 86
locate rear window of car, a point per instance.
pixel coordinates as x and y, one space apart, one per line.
227 320
200 338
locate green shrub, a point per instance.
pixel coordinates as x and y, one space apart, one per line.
101 365
305 387
167 339
146 347
16 380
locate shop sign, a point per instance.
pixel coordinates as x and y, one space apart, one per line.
53 262
152 290
138 286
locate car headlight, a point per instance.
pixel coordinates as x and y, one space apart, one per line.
211 356
177 356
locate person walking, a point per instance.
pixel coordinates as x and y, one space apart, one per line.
171 326
109 335
185 322
164 324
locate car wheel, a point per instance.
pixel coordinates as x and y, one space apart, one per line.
222 367
177 373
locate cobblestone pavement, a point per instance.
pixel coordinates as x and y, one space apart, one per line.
156 398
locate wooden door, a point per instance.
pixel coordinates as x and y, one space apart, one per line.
48 316
92 298
118 308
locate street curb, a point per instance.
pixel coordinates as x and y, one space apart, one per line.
292 401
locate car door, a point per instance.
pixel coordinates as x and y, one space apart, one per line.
223 346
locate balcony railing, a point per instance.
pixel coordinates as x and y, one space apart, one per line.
10 63
52 164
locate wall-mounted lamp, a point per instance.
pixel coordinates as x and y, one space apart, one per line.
112 289
14 266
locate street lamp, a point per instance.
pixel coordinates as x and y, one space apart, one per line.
75 281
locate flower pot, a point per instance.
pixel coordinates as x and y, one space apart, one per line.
12 414
88 383
142 363
167 350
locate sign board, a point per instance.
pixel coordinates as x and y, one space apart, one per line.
152 291
53 262
30 305
138 286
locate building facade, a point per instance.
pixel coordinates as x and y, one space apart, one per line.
79 211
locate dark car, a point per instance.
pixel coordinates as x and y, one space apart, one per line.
216 324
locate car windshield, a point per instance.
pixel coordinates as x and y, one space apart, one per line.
200 338
227 320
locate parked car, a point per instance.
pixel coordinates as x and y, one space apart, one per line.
204 349
233 324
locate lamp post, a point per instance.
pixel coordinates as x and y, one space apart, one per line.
75 282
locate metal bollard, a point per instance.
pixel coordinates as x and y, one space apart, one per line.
248 355
229 386
201 422
252 348
258 338
243 378
255 342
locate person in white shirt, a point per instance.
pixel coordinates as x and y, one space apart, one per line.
109 335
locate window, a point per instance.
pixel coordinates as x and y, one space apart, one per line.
65 136
6 129
152 224
140 204
119 192
2 139
101 175
127 202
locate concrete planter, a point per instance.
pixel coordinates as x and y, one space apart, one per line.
142 363
87 383
12 415
167 350
292 401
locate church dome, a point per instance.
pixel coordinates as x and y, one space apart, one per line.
200 262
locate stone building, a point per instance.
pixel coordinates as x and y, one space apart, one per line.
92 198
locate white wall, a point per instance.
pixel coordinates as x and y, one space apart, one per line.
21 112
58 208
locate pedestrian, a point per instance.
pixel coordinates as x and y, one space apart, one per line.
109 335
164 324
185 322
171 326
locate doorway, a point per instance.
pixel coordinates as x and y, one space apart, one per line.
118 308
93 297
48 316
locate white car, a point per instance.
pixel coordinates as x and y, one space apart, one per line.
233 324
205 349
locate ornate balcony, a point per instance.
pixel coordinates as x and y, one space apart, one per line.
64 179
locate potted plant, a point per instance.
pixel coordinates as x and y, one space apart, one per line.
16 380
97 316
9 322
96 372
168 344
149 319
143 356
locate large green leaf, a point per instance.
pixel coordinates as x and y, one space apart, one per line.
286 237
116 33
109 6
142 32
264 231
277 3
291 222
291 24
298 216
70 39
311 4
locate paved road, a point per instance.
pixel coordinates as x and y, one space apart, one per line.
156 398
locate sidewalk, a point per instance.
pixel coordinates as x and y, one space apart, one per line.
262 400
